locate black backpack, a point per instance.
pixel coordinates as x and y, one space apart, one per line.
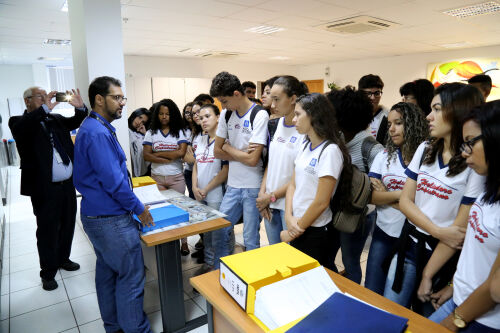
349 219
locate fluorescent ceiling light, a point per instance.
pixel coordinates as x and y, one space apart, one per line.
279 58
65 42
264 29
64 7
50 59
474 10
455 45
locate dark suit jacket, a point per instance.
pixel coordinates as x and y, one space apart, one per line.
35 149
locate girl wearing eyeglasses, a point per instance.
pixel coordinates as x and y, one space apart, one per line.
472 307
193 132
407 129
436 197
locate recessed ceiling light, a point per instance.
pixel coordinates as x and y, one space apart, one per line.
264 29
279 58
455 45
64 7
65 42
474 10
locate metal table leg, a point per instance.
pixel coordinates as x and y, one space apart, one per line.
210 317
168 261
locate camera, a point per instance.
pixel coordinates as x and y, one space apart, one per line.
63 97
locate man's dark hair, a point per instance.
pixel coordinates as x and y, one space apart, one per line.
483 80
203 97
370 81
422 90
225 84
353 108
248 84
100 86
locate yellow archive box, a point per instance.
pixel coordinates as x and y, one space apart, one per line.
142 181
242 274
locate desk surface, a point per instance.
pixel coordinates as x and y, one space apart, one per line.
189 230
208 285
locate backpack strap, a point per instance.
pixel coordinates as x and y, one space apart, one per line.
366 147
323 148
382 131
272 125
256 109
228 115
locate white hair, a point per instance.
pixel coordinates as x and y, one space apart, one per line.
29 92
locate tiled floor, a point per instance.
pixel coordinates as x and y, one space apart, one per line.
26 307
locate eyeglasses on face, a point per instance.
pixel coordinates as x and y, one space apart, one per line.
39 96
467 146
376 93
118 98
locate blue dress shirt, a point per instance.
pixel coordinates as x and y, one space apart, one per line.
100 171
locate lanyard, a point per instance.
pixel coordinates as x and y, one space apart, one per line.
92 115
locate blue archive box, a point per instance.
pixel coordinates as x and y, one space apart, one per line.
164 217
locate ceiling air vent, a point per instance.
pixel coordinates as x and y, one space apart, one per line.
358 25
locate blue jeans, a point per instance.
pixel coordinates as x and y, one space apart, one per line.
237 201
275 226
449 307
352 246
119 276
208 250
380 248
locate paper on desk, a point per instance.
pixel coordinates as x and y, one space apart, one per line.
149 194
360 300
282 302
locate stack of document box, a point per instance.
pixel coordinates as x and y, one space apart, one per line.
164 214
142 181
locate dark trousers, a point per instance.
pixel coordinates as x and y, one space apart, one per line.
188 178
55 218
317 242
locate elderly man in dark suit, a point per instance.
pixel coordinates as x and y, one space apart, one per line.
44 144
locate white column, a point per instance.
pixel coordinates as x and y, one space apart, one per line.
97 47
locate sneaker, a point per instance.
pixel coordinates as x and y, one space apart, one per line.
49 284
199 244
198 254
70 266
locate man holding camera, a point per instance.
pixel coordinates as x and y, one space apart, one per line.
44 144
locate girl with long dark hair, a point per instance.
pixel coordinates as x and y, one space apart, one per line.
138 123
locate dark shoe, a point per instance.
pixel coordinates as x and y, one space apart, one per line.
200 260
199 244
70 266
198 254
185 249
49 284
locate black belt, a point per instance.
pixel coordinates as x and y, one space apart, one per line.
62 182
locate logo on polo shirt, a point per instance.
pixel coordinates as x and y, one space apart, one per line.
246 123
313 162
293 139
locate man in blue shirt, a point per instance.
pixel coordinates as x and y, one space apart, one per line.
108 203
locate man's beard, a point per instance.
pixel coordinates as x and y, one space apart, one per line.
114 114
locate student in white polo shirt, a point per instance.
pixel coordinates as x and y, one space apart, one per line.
284 146
472 307
165 145
317 172
407 130
436 197
209 173
241 122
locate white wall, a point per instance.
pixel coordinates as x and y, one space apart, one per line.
14 79
394 71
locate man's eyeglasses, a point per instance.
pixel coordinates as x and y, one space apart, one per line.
467 146
119 98
377 93
36 96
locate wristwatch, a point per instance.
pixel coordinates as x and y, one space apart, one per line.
458 321
273 197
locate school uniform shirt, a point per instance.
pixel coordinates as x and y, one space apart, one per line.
240 133
193 142
161 142
208 167
481 247
393 176
283 150
377 119
439 196
309 168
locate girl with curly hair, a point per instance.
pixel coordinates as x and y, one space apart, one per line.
407 129
436 197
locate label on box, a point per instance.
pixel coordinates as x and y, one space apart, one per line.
236 287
